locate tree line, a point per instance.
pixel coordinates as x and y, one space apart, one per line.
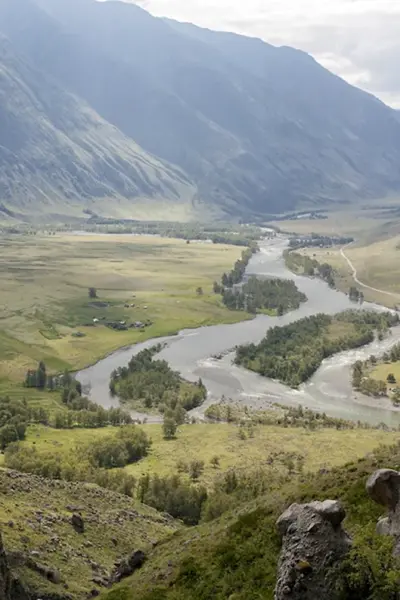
320 241
75 410
237 273
97 461
299 263
294 352
276 295
153 384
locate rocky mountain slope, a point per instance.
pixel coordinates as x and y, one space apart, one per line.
57 156
68 540
256 129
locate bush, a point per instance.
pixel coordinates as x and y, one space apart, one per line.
169 428
129 445
169 494
196 469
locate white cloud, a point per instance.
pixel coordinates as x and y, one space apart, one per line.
357 39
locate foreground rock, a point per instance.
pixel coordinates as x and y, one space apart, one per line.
10 586
127 566
313 547
384 488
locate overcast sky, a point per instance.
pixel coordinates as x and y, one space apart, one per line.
357 39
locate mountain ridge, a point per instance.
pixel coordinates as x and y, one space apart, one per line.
251 129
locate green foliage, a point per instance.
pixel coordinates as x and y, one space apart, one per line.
366 383
305 265
238 271
14 417
154 384
128 445
170 494
221 233
196 468
279 295
93 462
169 427
237 557
294 352
371 572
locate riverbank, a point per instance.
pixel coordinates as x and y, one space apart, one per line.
191 350
156 286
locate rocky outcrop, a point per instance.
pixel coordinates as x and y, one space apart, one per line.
10 586
127 566
313 547
384 488
78 523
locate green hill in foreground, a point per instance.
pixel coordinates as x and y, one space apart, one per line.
236 557
36 527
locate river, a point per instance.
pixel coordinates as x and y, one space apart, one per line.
191 352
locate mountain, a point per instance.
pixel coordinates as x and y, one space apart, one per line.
57 156
256 129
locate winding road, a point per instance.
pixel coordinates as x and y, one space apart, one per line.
364 285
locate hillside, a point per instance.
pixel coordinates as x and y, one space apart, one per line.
57 156
258 129
237 556
37 530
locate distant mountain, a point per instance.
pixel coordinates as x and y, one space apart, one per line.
256 129
57 156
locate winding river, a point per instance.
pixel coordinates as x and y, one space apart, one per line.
191 352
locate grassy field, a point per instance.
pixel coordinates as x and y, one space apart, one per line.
367 221
44 296
377 265
381 371
320 448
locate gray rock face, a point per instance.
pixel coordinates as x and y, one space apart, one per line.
384 488
313 546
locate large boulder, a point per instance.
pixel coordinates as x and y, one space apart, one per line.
384 488
127 566
313 547
78 523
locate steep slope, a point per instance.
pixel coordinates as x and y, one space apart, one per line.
236 557
59 157
259 128
39 536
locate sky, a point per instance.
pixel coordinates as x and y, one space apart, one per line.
356 39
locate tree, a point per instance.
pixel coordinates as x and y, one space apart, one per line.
217 288
92 292
169 428
8 434
41 376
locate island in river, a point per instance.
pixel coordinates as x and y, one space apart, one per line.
190 353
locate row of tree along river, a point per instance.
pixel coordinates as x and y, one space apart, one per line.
190 353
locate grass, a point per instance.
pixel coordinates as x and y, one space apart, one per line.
236 557
320 449
381 371
44 296
377 265
35 517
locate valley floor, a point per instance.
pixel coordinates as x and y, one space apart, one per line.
46 314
